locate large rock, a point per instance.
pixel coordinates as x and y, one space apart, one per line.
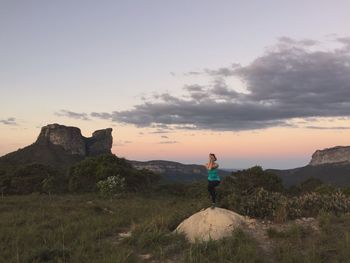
210 224
338 154
100 142
71 139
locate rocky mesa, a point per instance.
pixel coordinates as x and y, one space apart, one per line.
337 154
71 139
60 146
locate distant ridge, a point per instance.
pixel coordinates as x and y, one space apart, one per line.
330 165
177 172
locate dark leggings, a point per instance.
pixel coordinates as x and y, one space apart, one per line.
211 189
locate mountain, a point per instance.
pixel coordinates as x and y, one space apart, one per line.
176 172
334 155
330 165
60 146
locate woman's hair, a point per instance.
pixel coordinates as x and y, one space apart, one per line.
213 156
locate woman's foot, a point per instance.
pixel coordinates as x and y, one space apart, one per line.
212 206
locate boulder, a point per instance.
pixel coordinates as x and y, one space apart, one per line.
211 223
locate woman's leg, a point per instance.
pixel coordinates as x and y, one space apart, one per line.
211 189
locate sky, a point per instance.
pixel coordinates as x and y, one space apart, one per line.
255 82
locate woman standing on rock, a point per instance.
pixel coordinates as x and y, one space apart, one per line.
213 177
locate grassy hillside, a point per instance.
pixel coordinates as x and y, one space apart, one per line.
136 223
48 154
138 228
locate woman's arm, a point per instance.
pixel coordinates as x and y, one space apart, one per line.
209 165
212 165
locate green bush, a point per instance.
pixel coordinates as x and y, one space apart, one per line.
346 190
278 207
239 189
312 204
325 189
260 203
245 182
34 178
84 175
111 186
307 186
310 184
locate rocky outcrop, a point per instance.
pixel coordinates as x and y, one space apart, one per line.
338 154
72 141
160 166
100 142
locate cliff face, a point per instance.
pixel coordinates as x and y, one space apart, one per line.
174 171
338 154
71 139
100 142
167 166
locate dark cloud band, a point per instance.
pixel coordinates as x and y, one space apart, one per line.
292 79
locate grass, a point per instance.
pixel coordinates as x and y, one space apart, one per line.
302 244
84 228
236 248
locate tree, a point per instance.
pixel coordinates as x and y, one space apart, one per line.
84 175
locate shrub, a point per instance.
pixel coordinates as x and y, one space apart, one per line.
245 182
84 175
346 190
325 189
260 203
48 184
312 204
111 186
310 184
248 190
34 178
278 207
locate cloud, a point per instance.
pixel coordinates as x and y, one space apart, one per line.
327 128
291 79
101 115
192 73
168 142
74 115
160 131
121 143
9 121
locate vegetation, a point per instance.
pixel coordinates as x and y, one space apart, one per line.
257 193
84 175
81 177
31 178
85 228
113 185
303 244
80 226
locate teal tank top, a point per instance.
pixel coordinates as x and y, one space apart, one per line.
213 175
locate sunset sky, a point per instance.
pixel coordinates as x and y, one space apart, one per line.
255 82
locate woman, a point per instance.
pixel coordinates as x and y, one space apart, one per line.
213 178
